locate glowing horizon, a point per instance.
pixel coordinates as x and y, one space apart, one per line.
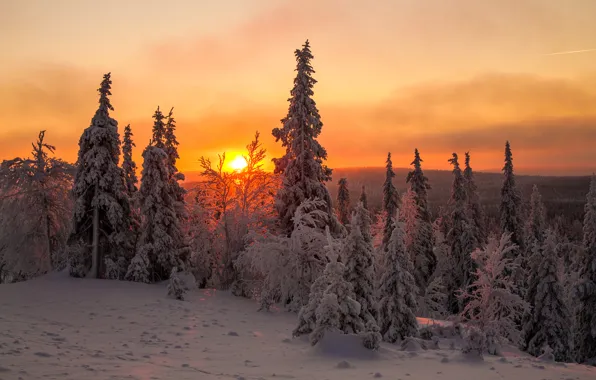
392 76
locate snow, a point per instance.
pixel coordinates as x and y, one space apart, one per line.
58 327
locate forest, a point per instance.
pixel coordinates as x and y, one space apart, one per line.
509 259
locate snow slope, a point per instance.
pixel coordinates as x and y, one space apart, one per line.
57 327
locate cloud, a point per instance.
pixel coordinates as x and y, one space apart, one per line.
287 25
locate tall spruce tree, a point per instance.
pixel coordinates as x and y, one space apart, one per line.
397 290
159 130
474 208
422 251
171 149
460 238
158 250
536 225
586 290
390 200
363 198
128 165
343 202
359 261
101 221
511 203
303 172
549 321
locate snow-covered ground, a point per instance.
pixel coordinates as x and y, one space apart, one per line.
58 327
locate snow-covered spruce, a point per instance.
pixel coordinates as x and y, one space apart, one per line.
549 319
460 239
102 212
364 198
493 305
421 239
302 169
511 205
171 149
176 289
586 289
473 206
390 200
339 311
358 257
343 202
140 268
160 231
397 291
128 165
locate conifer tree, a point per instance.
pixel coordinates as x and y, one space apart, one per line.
343 202
535 233
397 290
390 200
101 223
358 257
460 238
338 310
549 320
159 130
474 208
303 172
536 224
424 259
363 198
586 290
171 149
128 165
161 233
511 203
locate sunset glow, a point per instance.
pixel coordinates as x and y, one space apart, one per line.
428 74
238 163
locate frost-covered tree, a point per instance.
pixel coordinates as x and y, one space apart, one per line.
492 304
549 320
128 165
397 290
409 216
171 149
364 198
158 132
460 239
358 257
338 309
303 172
343 202
473 206
161 233
421 245
586 290
511 205
176 288
535 233
390 200
536 224
34 212
102 212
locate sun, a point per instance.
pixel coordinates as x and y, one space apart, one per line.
238 163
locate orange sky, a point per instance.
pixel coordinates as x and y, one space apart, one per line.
393 75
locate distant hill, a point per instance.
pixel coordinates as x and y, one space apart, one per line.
561 195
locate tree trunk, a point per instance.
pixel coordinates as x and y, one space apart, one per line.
95 249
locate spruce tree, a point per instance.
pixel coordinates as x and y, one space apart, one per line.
128 165
586 290
363 198
343 202
536 228
397 290
536 220
511 203
424 259
303 172
549 322
159 130
101 221
460 238
358 257
338 309
474 208
171 149
390 200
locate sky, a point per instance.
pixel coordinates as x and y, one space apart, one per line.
393 75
